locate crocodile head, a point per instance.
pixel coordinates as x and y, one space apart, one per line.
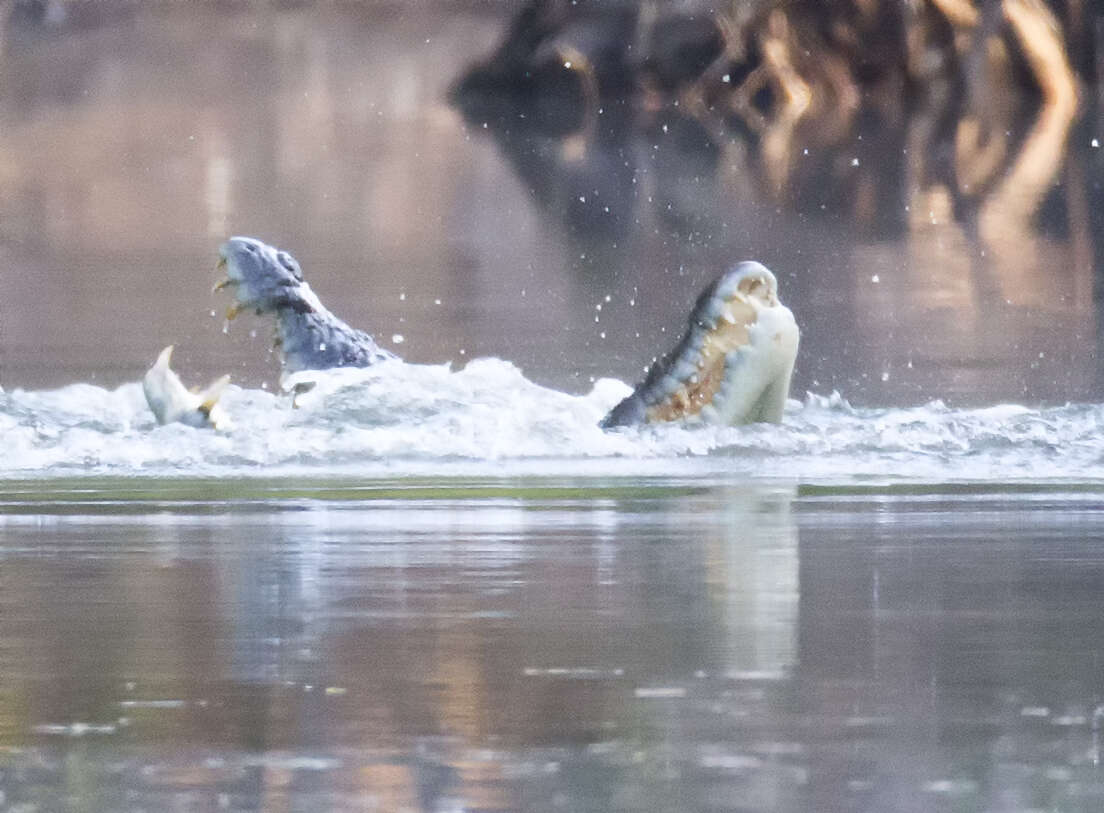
267 280
748 283
733 364
263 278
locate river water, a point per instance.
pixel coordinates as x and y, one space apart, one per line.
437 585
647 643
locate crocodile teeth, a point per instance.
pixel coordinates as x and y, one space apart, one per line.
234 310
717 309
222 283
685 368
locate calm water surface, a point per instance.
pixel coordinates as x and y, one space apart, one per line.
549 644
436 590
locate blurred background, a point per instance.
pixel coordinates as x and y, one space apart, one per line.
553 183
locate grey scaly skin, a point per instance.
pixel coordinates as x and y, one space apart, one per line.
732 366
267 280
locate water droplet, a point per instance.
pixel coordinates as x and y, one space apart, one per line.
397 338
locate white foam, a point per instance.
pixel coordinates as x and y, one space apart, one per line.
487 418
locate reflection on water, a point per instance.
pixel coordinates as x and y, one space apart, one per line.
942 103
397 651
938 139
499 638
925 254
598 645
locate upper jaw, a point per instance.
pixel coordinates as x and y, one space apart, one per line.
259 277
230 277
234 251
225 279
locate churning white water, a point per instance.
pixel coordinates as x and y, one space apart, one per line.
487 418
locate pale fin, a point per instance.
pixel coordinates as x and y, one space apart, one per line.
163 358
209 397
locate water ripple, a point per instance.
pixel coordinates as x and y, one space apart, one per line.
490 418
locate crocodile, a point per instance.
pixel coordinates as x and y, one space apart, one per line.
266 279
732 366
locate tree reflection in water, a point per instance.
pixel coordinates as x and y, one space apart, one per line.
920 174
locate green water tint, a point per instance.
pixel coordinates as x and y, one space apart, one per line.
950 489
84 494
223 490
122 495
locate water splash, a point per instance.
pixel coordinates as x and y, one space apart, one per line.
487 418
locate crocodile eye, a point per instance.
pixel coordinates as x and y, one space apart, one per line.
288 263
